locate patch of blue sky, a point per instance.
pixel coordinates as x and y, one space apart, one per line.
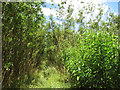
49 5
113 6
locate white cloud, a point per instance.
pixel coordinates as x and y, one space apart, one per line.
48 1
105 8
48 11
77 5
59 22
53 1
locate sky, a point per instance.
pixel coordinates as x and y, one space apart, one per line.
112 4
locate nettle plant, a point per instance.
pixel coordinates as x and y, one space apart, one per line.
94 61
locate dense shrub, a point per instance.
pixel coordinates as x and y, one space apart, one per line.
95 62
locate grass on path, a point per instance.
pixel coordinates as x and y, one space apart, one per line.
50 77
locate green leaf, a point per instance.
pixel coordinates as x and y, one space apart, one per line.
30 34
28 44
10 39
82 2
78 77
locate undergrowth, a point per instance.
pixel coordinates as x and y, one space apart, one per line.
49 77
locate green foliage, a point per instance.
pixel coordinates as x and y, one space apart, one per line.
29 39
94 62
20 22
